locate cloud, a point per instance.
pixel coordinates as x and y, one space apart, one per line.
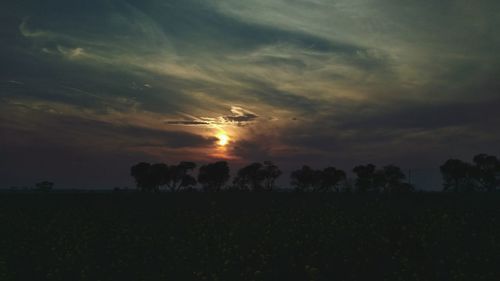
250 151
240 117
338 79
70 53
15 82
81 133
187 122
400 114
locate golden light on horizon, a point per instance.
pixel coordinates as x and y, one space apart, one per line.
223 139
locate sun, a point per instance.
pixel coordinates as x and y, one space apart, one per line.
223 139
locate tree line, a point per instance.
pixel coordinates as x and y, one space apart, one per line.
481 175
212 177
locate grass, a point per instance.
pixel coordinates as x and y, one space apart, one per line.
230 236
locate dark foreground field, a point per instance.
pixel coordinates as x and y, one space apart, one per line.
277 236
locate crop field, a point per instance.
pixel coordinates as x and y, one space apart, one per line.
249 236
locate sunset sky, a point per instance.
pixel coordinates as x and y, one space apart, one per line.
90 87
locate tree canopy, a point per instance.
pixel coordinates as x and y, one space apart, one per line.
214 176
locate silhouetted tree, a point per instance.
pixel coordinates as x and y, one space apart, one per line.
44 186
458 175
158 176
305 179
150 178
388 179
366 179
330 179
487 171
178 176
250 177
214 176
142 173
271 174
393 179
257 177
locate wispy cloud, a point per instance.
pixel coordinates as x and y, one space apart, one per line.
338 79
239 117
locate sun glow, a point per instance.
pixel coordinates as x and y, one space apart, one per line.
223 139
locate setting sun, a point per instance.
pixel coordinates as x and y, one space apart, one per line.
223 139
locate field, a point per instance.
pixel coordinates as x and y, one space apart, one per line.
249 236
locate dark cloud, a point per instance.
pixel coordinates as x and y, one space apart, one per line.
240 116
417 115
138 136
251 151
246 117
66 130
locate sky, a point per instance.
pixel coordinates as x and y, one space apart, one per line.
90 87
